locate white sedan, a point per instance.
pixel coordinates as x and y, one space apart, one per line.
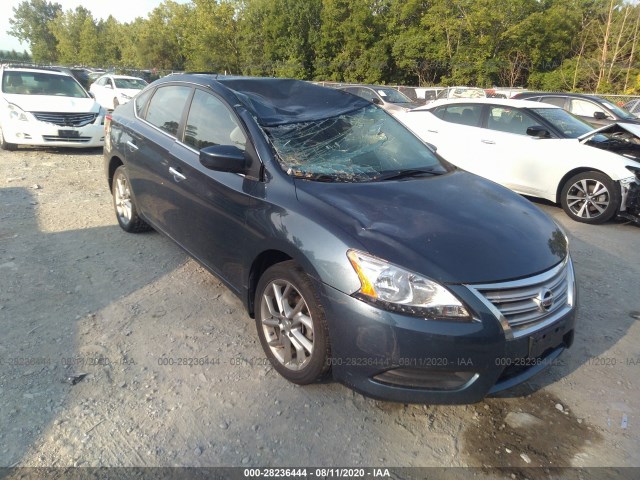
113 90
538 150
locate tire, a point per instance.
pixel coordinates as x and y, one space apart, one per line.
295 337
124 205
6 146
579 202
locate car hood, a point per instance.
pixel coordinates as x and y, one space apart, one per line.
454 228
621 137
52 103
632 128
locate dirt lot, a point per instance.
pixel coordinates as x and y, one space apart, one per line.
79 296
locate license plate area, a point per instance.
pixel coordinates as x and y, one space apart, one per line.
550 337
68 133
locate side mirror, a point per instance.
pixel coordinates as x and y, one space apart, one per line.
224 158
599 115
376 101
92 95
538 132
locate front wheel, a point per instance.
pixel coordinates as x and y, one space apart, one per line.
125 207
291 324
4 145
590 197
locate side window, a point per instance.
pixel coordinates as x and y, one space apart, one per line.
142 100
166 107
366 94
439 112
510 120
210 122
585 108
100 82
463 114
557 101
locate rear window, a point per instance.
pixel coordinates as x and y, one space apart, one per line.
41 83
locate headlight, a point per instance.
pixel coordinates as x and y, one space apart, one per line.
394 288
16 113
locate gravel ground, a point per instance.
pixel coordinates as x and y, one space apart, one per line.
96 321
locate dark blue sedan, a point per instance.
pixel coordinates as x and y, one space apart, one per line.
357 249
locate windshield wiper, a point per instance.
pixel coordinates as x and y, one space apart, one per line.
409 173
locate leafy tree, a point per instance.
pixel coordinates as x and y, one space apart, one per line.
277 37
75 33
30 23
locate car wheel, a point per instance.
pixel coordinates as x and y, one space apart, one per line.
590 197
291 324
126 211
4 145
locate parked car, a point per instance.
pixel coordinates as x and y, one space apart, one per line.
357 249
592 109
633 107
113 90
46 107
428 94
461 92
539 150
386 97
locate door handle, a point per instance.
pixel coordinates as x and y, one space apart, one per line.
132 146
488 142
432 131
177 176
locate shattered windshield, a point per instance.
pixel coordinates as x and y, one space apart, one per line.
365 145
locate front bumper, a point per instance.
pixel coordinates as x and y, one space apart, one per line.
49 135
630 201
400 358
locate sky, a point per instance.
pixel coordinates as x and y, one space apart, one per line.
122 10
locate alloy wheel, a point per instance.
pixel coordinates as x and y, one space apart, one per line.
287 324
588 198
122 199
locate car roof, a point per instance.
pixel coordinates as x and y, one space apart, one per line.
33 69
121 76
558 94
276 101
486 101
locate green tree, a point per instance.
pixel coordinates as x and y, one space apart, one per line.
277 37
76 35
161 38
211 40
30 24
351 46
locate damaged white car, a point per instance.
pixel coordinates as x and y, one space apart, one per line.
539 150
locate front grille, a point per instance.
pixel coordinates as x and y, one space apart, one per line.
66 119
55 138
532 302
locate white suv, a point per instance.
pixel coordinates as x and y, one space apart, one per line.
46 107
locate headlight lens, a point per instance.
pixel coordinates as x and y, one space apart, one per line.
394 288
16 113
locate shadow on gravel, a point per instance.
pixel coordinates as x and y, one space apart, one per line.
50 283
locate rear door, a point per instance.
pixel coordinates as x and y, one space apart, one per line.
149 151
